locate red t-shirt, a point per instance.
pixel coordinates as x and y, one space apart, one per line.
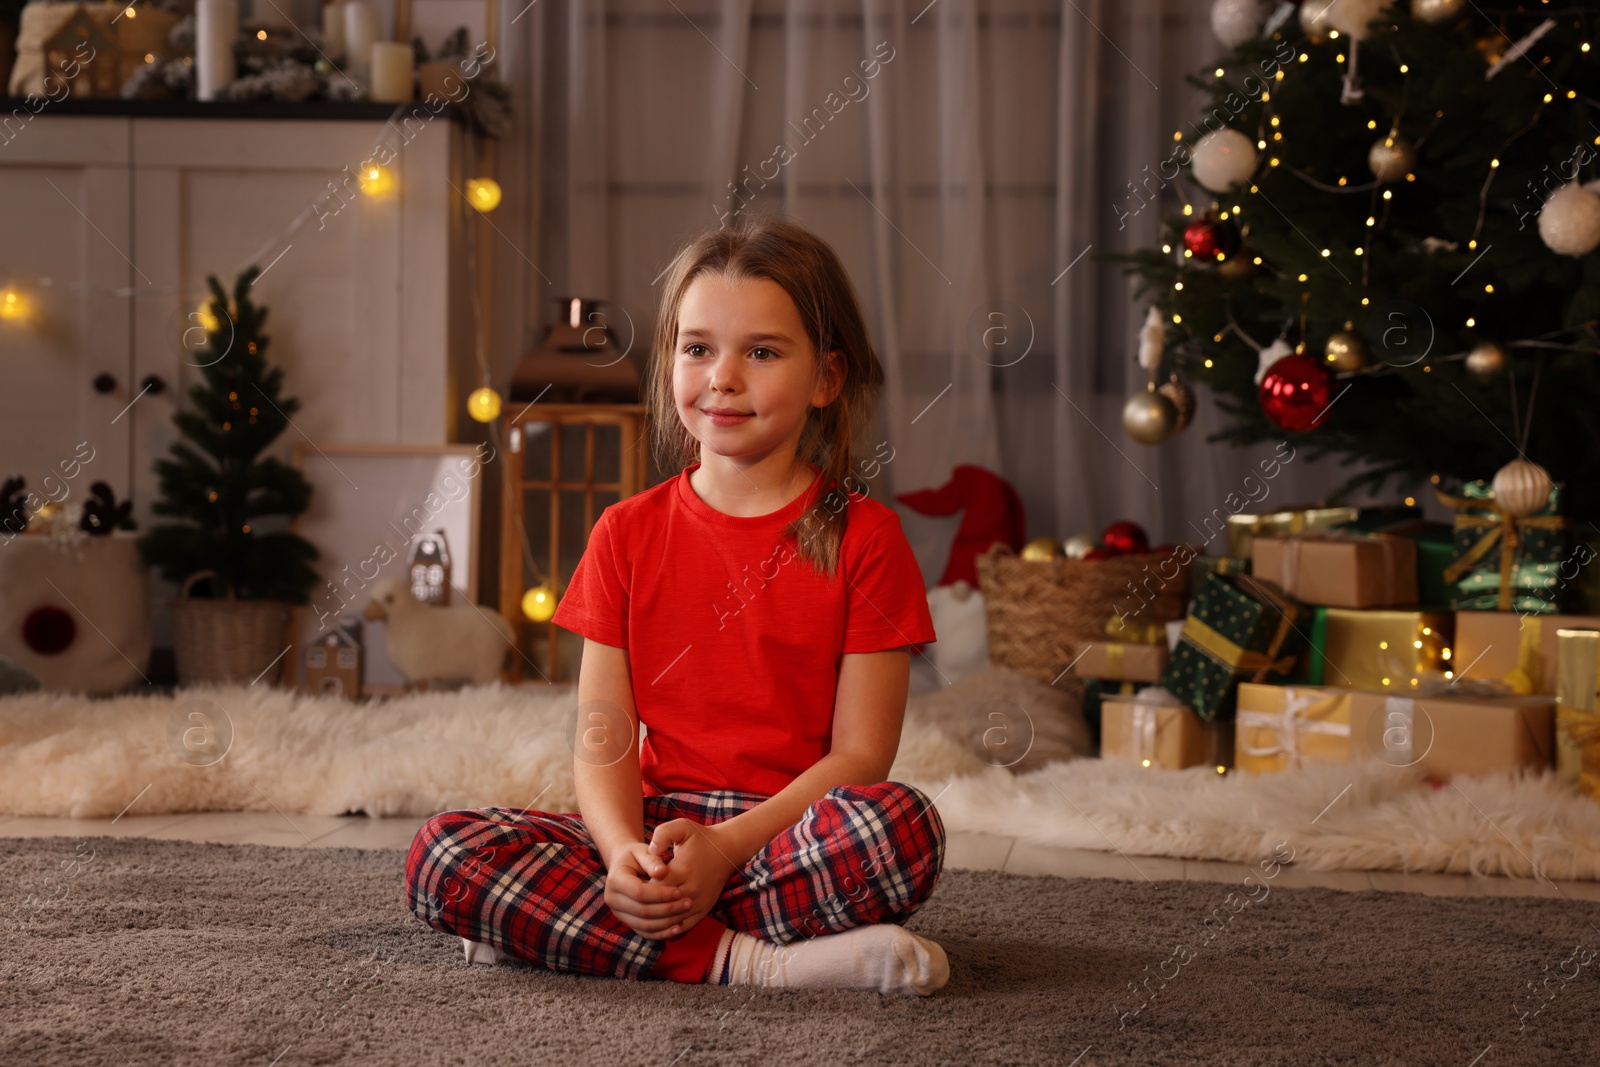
733 639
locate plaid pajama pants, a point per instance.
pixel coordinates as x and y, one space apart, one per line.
532 883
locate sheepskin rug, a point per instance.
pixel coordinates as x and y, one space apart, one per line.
996 750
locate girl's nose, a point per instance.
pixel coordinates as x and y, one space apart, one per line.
725 372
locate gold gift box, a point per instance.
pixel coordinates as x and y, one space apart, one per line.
1451 735
1578 708
1161 735
1121 661
1519 649
1379 648
1244 529
1339 570
1284 726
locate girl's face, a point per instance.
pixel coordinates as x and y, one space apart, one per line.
741 347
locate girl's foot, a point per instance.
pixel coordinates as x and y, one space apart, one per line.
880 956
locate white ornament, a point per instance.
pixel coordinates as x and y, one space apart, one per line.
1223 159
1570 219
1233 22
1522 488
1152 340
1350 17
1436 11
1270 355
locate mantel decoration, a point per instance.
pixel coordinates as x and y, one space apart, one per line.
219 483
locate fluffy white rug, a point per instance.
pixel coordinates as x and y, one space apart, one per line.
494 745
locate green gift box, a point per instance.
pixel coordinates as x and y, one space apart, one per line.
1239 628
1505 562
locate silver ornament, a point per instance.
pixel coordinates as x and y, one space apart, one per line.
1233 22
1078 545
1569 222
1486 361
1392 158
1149 417
1522 488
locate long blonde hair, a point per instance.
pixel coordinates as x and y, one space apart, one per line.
780 250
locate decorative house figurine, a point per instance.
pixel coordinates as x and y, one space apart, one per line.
430 570
84 53
333 662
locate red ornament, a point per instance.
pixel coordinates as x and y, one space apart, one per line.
1125 538
49 630
1206 237
1294 393
1097 553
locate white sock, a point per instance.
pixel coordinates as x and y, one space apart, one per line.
478 952
880 956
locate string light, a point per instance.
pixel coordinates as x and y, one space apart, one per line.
484 194
13 305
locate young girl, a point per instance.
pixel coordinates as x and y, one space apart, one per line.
756 613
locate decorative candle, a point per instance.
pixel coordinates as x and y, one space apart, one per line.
391 72
360 31
216 26
333 30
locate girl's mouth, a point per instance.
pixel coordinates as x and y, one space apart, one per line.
730 419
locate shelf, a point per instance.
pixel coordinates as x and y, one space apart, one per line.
358 111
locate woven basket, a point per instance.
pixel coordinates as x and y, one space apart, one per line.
1040 611
227 640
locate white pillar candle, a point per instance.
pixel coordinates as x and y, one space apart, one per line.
392 64
360 31
333 29
216 27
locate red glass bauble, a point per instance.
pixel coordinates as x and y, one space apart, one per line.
1204 238
1097 553
1294 393
1125 538
49 630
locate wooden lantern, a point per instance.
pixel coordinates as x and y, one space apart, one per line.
568 462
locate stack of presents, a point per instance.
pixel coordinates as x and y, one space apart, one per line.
1343 634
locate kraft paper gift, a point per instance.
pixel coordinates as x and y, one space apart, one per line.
1339 570
1154 732
1121 661
1454 731
1279 727
1519 649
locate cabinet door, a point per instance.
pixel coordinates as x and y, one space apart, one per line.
67 255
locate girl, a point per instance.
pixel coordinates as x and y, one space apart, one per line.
756 614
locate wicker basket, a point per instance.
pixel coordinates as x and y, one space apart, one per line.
227 640
1040 611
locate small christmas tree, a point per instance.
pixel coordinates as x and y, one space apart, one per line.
218 481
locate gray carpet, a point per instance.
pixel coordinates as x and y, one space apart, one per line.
147 952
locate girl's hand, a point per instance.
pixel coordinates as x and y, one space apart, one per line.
636 894
700 867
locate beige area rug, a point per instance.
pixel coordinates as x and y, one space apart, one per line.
145 952
995 750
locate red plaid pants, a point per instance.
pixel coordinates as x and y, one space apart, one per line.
532 883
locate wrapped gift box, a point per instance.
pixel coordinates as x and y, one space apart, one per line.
1156 734
1120 661
1278 727
1376 649
1518 649
1339 570
1436 550
1203 565
1454 732
1503 562
1240 627
1578 709
1243 529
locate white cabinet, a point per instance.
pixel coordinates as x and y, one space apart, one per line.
109 225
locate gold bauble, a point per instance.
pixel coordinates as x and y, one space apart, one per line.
539 603
1436 11
1522 488
1182 397
1148 417
1041 550
1347 350
1079 545
1392 158
1486 361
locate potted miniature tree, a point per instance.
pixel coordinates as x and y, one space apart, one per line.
222 488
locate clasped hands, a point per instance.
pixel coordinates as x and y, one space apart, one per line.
664 887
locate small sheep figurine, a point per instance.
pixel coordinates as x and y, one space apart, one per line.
462 642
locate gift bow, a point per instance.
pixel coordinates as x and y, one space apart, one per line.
1498 526
1577 683
1288 724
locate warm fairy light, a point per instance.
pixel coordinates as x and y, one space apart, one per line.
1411 502
1372 124
1416 644
1363 301
484 404
1371 221
1494 163
1342 179
375 178
1383 644
483 194
1278 76
1145 762
1302 277
149 57
1386 681
1333 35
1472 322
1326 252
1188 209
1219 72
1274 120
1449 674
1411 177
1166 248
261 35
1208 364
1304 57
1404 69
1187 254
1261 144
1277 137
1178 287
1274 161
1257 261
539 603
130 12
1572 94
1221 769
1445 654
1472 244
1427 368
1387 195
1359 251
13 306
1177 135
1548 98
1488 288
1339 58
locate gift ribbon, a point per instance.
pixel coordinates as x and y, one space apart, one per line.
1577 682
1289 579
1235 657
1114 659
1288 724
1399 713
1499 526
1146 703
1527 676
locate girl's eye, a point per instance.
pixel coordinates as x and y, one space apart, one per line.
767 350
689 350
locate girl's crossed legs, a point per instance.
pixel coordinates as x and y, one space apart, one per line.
532 883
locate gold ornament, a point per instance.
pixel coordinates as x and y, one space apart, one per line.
1079 545
1182 397
1436 11
1041 550
1486 361
1148 417
1522 488
1392 158
539 603
1347 350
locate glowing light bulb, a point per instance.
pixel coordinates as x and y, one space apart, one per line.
376 179
484 404
13 305
539 603
484 194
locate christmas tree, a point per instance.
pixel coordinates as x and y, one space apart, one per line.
218 481
1388 252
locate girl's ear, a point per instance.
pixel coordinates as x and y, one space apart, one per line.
832 378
